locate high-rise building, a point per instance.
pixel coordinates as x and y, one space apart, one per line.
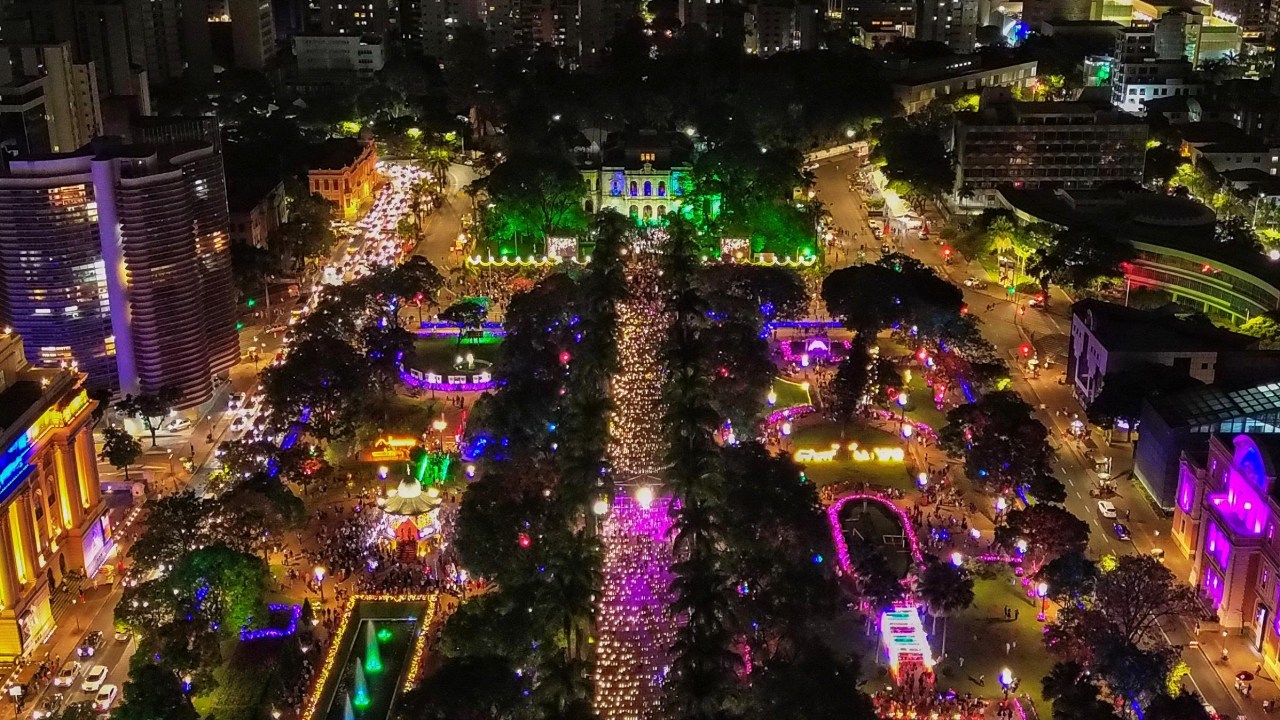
438 20
73 110
117 257
954 22
777 25
253 33
121 35
348 17
1045 144
52 518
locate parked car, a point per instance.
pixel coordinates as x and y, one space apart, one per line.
239 424
974 282
90 644
177 424
66 677
105 698
1121 530
93 681
1106 508
236 401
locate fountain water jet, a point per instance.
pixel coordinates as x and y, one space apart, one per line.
362 698
348 713
372 655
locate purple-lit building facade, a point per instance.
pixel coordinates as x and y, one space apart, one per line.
1225 520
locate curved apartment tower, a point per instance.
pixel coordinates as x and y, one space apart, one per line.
118 257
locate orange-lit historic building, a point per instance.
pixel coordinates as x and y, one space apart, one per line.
344 171
52 519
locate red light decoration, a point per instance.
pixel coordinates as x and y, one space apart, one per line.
523 540
565 357
1026 349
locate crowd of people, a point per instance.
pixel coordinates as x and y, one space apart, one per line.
920 701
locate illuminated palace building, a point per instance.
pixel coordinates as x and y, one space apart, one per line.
1228 506
117 258
640 175
52 519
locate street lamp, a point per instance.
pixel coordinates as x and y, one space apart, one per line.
644 496
957 559
772 398
1006 677
439 425
1043 591
319 573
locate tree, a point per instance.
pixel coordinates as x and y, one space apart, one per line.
120 449
1003 446
1074 694
465 314
814 683
850 386
1237 233
1070 576
154 693
416 280
483 687
1076 257
1138 594
308 234
1049 530
1265 327
896 290
946 589
150 408
915 156
765 292
533 197
1183 706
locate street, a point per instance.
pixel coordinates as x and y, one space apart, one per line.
1047 330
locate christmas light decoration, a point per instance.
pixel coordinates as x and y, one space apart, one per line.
295 614
311 707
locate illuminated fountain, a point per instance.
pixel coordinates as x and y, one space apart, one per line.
348 712
372 656
362 688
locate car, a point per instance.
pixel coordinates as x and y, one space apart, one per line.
1158 554
1037 301
1106 508
123 635
90 644
66 677
1121 530
94 679
49 707
974 282
105 698
177 424
236 401
239 424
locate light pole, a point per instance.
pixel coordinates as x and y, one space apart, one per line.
439 425
319 573
1043 591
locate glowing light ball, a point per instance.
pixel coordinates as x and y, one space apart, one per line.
644 496
600 507
523 540
957 559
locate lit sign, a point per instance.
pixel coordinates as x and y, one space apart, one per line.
391 447
856 453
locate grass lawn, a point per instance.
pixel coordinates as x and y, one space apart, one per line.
821 435
920 405
979 635
438 354
790 394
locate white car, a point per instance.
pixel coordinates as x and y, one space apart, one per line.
66 677
236 402
1106 508
93 681
105 698
239 424
177 424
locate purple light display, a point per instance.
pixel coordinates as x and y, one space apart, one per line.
412 381
815 347
1217 545
636 630
1212 586
295 614
790 413
1186 491
837 533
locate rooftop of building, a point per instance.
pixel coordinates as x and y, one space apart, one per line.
945 67
997 107
1203 408
363 39
334 153
1173 104
1126 329
25 391
632 150
102 148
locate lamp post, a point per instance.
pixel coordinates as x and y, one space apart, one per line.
319 573
1043 591
439 425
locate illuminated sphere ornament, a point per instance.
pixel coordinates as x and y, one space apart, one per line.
523 540
644 496
600 507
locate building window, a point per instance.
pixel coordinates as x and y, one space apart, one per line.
635 188
662 189
648 188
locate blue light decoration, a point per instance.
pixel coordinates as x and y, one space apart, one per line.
295 615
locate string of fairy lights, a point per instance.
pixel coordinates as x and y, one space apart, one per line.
634 629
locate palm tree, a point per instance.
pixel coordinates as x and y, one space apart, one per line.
436 158
946 589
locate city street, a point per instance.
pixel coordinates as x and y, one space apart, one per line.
1044 329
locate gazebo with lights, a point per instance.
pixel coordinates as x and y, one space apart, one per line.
413 507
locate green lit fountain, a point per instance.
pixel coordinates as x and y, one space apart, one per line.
372 655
